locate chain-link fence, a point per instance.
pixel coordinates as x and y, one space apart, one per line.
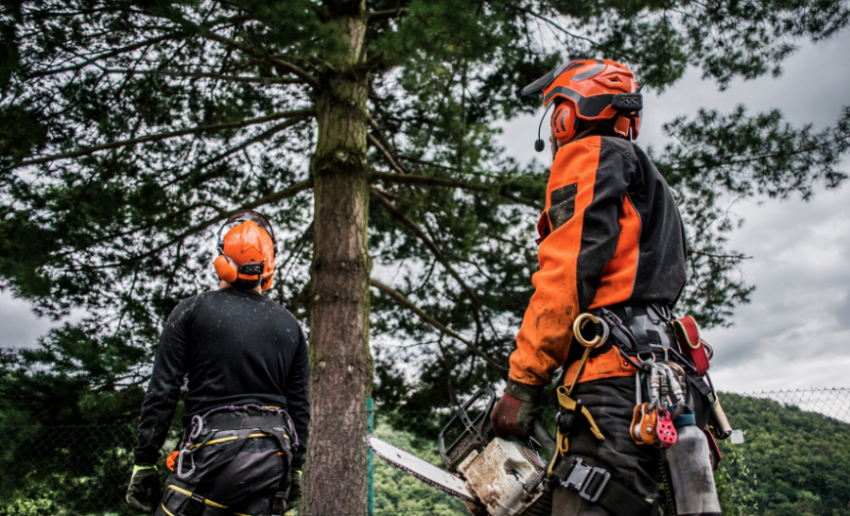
84 470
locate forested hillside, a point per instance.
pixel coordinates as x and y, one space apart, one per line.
793 463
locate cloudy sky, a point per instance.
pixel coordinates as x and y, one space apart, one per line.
796 331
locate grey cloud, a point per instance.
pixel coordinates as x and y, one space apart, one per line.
21 328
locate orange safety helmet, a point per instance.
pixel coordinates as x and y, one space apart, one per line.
590 89
246 253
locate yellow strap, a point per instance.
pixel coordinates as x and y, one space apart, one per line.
232 438
189 493
570 404
578 371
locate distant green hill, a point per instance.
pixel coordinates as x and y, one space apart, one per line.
793 463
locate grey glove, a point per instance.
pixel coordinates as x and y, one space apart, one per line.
143 491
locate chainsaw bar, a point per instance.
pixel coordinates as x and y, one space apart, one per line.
421 469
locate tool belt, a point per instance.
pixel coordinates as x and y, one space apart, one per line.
594 484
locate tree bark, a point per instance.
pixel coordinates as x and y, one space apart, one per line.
341 364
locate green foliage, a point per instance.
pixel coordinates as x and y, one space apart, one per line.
400 493
792 463
131 129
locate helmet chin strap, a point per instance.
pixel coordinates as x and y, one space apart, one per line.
539 145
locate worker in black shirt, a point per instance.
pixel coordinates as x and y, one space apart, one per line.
247 407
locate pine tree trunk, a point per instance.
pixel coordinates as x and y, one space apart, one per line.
341 364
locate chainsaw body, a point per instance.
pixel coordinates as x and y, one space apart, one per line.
507 479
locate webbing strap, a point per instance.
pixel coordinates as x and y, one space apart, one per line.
570 404
595 485
584 356
194 505
282 495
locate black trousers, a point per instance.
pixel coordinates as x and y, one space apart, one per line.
246 485
611 401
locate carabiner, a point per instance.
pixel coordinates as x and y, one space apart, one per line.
179 468
197 427
598 340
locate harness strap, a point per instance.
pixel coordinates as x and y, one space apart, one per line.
595 485
194 505
285 483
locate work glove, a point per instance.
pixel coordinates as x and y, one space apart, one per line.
514 412
294 488
143 491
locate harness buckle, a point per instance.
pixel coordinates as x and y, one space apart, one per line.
582 477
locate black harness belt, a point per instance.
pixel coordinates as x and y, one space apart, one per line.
595 485
274 425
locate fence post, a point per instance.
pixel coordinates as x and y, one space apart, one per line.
370 422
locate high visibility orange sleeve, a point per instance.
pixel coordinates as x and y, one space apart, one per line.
579 231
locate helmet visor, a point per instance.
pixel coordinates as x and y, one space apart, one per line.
542 83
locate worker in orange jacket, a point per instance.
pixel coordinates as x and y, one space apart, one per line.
611 239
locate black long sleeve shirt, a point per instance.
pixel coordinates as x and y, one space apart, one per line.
236 347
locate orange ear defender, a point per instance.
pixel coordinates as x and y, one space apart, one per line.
564 123
246 252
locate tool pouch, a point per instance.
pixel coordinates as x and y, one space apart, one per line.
687 334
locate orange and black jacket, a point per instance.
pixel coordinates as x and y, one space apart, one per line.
611 233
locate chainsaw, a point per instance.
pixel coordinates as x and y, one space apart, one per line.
491 475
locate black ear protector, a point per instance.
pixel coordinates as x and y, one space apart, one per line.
539 145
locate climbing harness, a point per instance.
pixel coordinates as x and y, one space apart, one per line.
197 428
200 433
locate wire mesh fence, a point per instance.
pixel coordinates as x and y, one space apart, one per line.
84 470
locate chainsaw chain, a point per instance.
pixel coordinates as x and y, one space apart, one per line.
424 479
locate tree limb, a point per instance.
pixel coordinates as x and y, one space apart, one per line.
387 156
289 67
448 183
300 114
113 53
406 303
205 75
387 14
404 219
268 199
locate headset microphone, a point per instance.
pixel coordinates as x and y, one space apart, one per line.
539 145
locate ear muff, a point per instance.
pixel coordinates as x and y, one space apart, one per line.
268 283
564 122
622 126
226 268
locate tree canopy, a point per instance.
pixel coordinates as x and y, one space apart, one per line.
368 133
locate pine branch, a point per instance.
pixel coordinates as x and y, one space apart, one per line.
387 14
387 156
406 303
412 226
244 145
448 183
113 53
205 75
268 199
298 114
289 67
